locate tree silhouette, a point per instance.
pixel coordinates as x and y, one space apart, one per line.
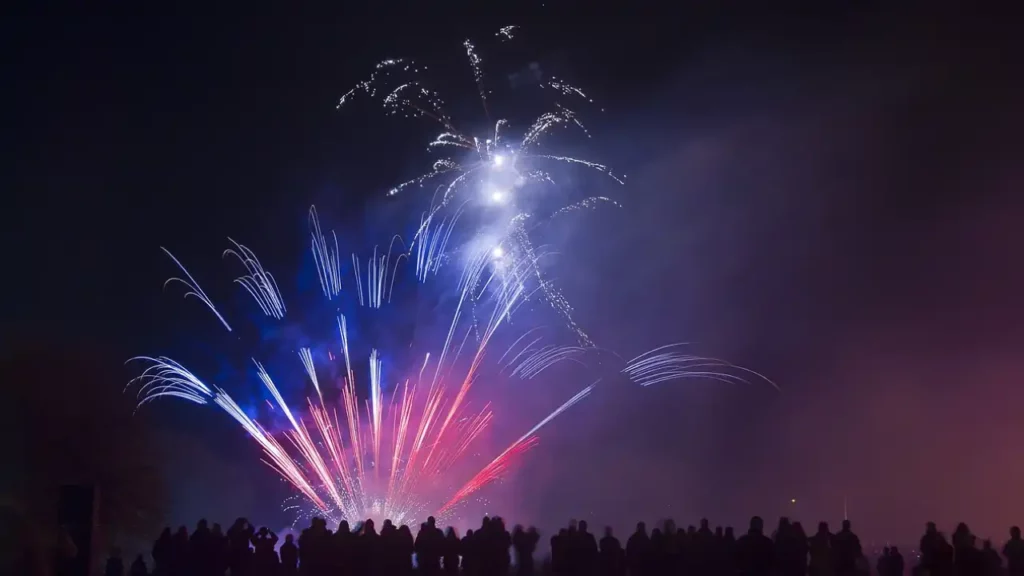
69 422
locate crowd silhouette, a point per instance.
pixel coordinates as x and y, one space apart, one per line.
574 551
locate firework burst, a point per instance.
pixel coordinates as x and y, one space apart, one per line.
397 451
506 173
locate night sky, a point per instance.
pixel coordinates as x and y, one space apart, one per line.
831 198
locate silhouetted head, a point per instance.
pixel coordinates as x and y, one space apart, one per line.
368 525
846 525
930 528
607 531
469 533
289 539
343 527
756 524
431 522
986 545
894 550
822 527
885 551
718 531
583 525
202 525
704 524
264 530
387 524
729 532
572 524
962 528
166 532
1015 532
217 530
641 527
182 531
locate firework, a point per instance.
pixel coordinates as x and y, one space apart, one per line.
502 172
355 458
395 454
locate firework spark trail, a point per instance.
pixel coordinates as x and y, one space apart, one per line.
668 363
330 433
542 359
478 74
328 261
506 33
301 439
585 204
499 465
551 293
166 377
375 403
431 243
307 362
258 282
507 298
378 287
193 288
357 271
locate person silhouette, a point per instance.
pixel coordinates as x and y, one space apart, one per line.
1013 550
754 550
289 556
199 550
882 566
638 552
586 550
429 547
162 550
138 567
846 550
993 563
115 565
930 548
820 546
612 561
896 563
179 552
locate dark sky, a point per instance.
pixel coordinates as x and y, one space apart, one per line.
829 197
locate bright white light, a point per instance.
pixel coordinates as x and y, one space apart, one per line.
498 196
498 252
499 160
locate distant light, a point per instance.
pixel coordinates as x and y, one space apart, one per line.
499 160
498 196
498 252
792 501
